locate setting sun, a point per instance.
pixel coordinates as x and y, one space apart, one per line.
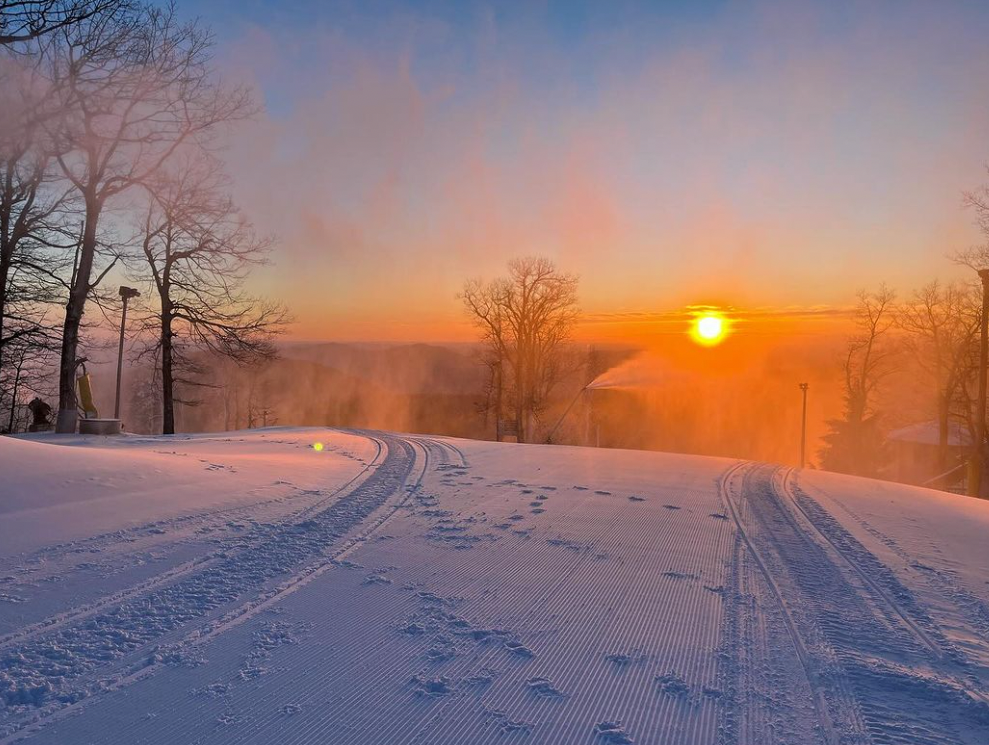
708 329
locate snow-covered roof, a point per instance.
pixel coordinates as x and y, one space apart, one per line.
927 433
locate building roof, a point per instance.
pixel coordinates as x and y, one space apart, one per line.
926 433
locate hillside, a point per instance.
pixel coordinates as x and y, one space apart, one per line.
251 588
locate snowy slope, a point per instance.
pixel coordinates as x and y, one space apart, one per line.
246 588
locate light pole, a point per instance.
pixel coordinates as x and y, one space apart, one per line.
126 293
976 465
803 427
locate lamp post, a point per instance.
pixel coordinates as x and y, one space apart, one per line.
126 293
803 426
976 464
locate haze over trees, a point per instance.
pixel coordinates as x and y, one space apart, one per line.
941 325
854 443
525 320
105 102
199 248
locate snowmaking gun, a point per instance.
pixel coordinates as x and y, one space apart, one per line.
90 422
549 437
86 404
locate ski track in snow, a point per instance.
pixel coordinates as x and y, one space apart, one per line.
879 670
64 660
432 599
209 518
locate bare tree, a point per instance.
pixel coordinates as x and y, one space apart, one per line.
942 326
34 216
977 257
29 20
978 200
481 302
144 399
855 443
525 320
199 249
135 88
26 374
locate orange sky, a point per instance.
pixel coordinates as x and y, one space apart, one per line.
637 328
776 156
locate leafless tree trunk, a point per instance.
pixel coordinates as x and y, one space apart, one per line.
942 327
525 320
33 208
199 250
28 365
855 444
24 21
135 88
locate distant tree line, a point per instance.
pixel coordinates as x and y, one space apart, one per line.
931 336
110 128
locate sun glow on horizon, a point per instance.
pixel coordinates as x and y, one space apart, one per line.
709 329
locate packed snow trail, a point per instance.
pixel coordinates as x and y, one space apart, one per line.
441 591
878 667
55 663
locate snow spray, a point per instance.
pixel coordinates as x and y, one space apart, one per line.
641 371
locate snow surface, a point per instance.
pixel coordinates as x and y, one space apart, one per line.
247 588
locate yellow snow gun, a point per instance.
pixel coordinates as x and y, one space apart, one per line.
89 410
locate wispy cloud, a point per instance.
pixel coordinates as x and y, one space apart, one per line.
779 155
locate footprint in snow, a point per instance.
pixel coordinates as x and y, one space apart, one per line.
619 660
671 506
508 725
544 687
214 690
377 579
519 648
484 678
636 499
431 686
440 653
680 575
538 511
290 709
612 733
602 492
672 684
718 516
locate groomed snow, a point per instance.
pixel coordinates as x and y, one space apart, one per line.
247 588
